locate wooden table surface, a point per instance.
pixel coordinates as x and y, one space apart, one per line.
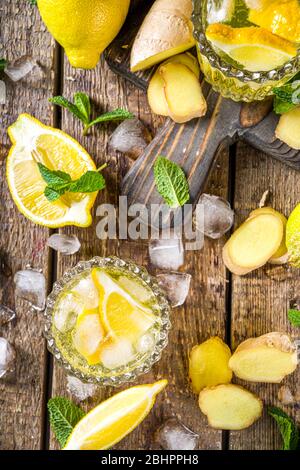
232 307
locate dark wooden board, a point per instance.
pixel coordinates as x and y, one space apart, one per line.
194 145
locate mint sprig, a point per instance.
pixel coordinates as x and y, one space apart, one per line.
171 182
81 108
287 428
63 415
59 182
3 64
287 97
294 317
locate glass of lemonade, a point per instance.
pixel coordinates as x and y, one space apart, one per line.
246 47
107 321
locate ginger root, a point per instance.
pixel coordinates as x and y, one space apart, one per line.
288 128
268 358
208 364
261 238
175 90
230 407
167 30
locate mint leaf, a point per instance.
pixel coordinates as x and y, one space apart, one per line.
33 2
90 182
53 194
287 96
64 103
82 101
294 317
54 179
287 428
171 182
3 64
81 108
63 415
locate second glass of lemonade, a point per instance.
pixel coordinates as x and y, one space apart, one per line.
247 47
107 321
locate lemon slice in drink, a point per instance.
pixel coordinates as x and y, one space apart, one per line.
121 314
34 142
256 49
114 418
281 17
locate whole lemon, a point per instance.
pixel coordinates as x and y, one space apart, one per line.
84 27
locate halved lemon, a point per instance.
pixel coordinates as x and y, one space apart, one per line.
114 418
34 142
256 49
121 314
281 17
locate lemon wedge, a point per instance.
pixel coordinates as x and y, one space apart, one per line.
121 314
256 49
281 17
89 335
114 418
34 142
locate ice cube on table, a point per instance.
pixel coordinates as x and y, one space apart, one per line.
67 311
65 244
218 216
131 137
6 315
80 390
166 254
176 286
7 358
286 396
30 285
87 291
135 288
2 92
117 353
173 435
22 67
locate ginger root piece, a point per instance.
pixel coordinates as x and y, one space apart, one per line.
183 92
268 358
288 128
253 243
230 407
280 256
156 95
167 30
208 364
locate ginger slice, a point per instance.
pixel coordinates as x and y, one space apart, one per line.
280 256
288 128
156 95
268 358
208 364
254 242
230 407
183 92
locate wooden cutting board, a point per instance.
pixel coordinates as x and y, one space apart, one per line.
193 145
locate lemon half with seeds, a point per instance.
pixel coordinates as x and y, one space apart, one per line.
34 142
293 237
256 49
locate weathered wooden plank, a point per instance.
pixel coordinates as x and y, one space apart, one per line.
21 242
204 313
261 299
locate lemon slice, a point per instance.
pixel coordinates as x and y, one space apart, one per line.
89 335
113 419
293 237
281 17
121 314
34 142
256 49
